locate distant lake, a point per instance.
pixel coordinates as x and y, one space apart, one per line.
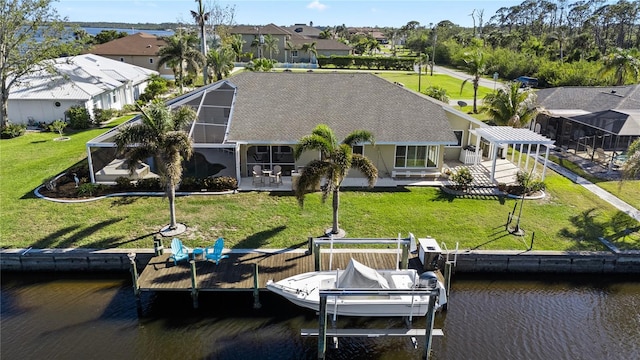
93 31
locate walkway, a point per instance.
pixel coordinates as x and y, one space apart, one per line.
598 191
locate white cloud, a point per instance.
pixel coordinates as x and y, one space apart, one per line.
316 5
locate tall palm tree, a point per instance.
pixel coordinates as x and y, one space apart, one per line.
511 106
476 65
220 61
201 17
181 53
622 63
631 167
160 135
310 48
335 161
271 45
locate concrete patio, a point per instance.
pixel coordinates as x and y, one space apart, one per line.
505 173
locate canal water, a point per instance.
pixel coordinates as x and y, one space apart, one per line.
45 316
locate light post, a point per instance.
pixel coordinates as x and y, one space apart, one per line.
260 41
435 40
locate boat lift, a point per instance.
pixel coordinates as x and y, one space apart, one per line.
322 331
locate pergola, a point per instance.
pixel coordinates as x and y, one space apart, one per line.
506 135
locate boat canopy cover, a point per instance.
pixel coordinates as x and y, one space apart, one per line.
359 276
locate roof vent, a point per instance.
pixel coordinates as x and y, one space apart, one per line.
148 46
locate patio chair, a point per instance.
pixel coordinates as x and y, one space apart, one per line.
276 175
214 253
601 156
257 175
179 251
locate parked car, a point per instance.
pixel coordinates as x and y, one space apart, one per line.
526 81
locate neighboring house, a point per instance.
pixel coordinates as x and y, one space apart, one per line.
587 118
87 80
305 30
325 47
257 118
140 49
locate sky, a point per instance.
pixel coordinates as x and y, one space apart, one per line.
286 13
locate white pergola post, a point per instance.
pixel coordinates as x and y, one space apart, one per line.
546 158
535 163
477 158
494 155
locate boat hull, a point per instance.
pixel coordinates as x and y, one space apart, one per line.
303 290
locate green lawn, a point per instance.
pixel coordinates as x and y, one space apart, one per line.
451 84
569 218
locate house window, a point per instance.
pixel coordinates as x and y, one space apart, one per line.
150 60
121 59
412 156
458 134
167 67
57 103
358 149
114 98
294 53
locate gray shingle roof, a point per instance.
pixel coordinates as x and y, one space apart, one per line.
283 107
590 99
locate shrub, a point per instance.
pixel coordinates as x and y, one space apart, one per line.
58 126
191 184
157 85
221 183
79 117
529 183
103 115
463 178
149 184
437 92
124 183
13 131
129 108
90 189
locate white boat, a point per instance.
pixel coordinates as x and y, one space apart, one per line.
304 290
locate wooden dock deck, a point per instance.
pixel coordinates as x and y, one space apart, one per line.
237 272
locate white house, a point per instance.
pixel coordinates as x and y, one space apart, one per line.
88 80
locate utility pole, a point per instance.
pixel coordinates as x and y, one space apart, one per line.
435 39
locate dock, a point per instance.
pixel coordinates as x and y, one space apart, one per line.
238 272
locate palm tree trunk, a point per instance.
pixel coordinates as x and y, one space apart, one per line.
171 195
475 96
336 202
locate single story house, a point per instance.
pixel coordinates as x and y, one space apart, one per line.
588 118
140 49
324 47
87 80
256 118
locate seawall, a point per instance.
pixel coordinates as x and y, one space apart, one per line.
478 261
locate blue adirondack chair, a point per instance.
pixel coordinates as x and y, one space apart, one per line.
214 253
179 251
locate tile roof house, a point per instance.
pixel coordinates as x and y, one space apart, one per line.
256 119
140 49
88 80
583 118
324 47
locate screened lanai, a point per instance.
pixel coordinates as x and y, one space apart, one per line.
525 139
212 156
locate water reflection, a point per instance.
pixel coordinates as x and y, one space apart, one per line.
94 316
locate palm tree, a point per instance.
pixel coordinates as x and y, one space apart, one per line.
334 163
180 53
260 64
631 167
622 63
236 44
310 48
476 65
511 105
288 46
160 135
201 17
258 43
221 62
271 45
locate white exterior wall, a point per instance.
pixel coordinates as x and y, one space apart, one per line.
20 111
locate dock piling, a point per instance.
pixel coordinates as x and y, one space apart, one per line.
194 284
256 288
322 328
158 248
431 312
134 279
